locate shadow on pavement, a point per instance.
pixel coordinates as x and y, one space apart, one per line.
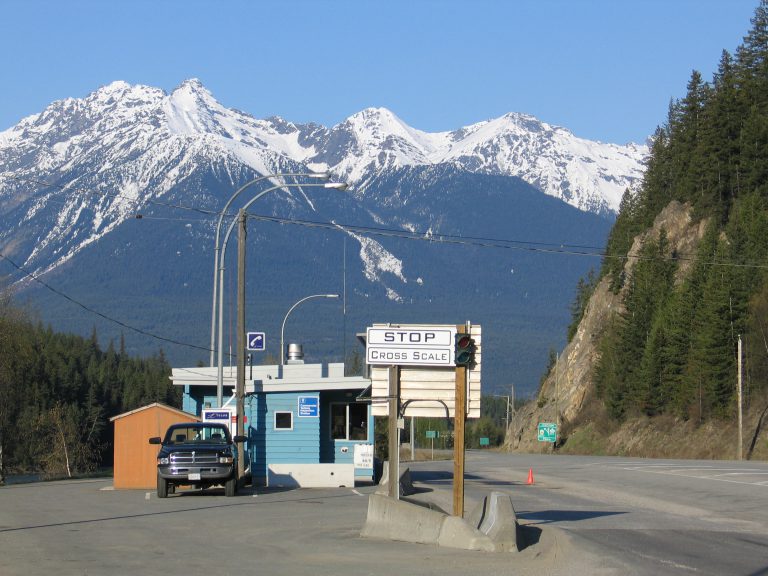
549 516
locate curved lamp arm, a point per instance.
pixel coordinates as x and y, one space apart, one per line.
282 328
217 245
221 260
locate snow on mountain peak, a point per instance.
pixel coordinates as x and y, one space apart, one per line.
192 109
134 119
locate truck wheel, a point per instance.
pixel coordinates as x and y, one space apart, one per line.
230 487
162 487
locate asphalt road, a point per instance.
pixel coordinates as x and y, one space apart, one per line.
651 516
582 515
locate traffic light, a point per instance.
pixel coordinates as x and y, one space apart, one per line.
464 349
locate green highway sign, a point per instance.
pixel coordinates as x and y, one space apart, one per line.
547 432
430 433
485 441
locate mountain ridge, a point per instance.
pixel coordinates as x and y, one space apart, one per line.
73 178
376 138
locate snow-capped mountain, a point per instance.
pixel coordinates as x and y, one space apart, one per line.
128 144
589 175
73 177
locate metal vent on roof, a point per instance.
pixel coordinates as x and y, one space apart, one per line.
295 354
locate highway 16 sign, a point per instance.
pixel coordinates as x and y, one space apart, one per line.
412 345
547 432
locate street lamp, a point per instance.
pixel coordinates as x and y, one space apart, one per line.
222 259
217 245
282 328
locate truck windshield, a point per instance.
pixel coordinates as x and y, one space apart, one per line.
213 434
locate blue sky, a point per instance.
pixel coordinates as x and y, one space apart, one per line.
605 69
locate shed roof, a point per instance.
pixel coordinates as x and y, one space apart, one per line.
159 405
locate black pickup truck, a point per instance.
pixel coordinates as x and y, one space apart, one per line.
200 454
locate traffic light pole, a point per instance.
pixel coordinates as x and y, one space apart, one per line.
464 346
459 418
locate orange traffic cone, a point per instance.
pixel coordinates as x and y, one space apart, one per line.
530 476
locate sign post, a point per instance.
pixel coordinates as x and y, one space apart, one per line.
431 436
394 436
435 371
459 418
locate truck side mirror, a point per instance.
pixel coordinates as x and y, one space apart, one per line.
239 439
155 440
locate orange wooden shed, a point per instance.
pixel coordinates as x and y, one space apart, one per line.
135 458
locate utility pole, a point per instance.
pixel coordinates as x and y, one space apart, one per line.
506 421
513 408
240 384
740 449
557 393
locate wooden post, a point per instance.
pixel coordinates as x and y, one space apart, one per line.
459 418
394 445
240 383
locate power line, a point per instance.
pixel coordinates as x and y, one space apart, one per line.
528 246
509 244
481 242
96 312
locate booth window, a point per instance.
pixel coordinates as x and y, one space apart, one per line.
283 420
349 421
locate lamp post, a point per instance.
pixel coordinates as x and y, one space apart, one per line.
222 259
282 328
217 245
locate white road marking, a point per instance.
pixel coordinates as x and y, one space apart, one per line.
690 472
667 562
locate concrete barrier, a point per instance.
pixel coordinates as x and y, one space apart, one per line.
310 475
495 517
392 519
495 529
406 484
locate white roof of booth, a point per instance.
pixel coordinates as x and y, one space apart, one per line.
287 378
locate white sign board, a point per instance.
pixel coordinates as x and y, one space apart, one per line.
428 391
410 345
224 416
363 457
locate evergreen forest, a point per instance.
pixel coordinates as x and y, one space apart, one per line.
673 350
58 392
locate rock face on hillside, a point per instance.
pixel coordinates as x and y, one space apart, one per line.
568 385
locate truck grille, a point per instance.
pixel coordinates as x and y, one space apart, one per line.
191 458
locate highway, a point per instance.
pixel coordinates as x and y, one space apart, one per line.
651 516
584 515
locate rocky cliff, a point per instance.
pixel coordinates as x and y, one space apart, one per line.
565 394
